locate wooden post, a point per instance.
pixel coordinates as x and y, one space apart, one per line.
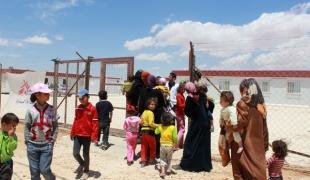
103 75
191 62
87 71
77 82
66 100
55 92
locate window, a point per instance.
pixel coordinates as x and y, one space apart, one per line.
293 87
266 87
224 85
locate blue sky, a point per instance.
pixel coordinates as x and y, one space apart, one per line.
241 34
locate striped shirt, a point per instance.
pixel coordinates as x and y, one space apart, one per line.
274 166
41 124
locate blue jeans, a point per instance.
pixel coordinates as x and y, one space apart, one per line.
40 159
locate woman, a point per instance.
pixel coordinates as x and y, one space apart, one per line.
250 164
197 146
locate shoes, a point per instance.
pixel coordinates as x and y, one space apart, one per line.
143 164
162 175
84 176
79 169
129 163
152 162
105 146
98 144
171 171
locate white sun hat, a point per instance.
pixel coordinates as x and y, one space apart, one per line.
40 87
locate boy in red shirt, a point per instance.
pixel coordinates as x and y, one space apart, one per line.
84 130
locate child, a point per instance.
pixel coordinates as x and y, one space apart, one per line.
148 135
105 111
131 127
127 85
162 88
168 140
276 161
202 87
180 114
41 128
229 116
8 143
83 131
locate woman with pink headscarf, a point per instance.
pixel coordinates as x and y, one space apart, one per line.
197 146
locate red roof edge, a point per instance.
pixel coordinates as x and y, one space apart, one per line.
249 73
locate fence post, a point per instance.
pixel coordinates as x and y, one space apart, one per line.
55 92
191 62
87 71
103 68
77 84
66 101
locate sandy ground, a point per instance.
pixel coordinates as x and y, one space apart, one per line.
110 164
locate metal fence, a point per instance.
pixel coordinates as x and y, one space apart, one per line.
285 85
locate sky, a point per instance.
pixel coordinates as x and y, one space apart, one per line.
227 35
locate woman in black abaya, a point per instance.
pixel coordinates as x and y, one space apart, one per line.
197 146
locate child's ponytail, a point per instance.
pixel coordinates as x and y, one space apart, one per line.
33 98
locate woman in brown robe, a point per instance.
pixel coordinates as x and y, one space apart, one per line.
250 163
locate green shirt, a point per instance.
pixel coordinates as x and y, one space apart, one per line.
7 145
168 134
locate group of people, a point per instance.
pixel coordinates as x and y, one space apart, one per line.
154 106
243 127
244 130
156 111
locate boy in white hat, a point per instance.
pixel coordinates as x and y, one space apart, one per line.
41 128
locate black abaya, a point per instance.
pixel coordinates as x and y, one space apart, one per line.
197 146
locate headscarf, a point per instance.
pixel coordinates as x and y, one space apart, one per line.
190 88
144 75
151 81
254 92
256 99
133 94
162 81
202 85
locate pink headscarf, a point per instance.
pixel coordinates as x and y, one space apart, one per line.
191 90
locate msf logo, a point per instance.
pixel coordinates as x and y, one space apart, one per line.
23 89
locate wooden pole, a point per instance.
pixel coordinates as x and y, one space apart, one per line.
103 68
87 72
77 82
191 62
55 92
66 101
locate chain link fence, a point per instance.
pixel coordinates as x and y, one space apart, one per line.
284 77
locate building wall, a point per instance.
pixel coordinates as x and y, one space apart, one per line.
94 84
278 89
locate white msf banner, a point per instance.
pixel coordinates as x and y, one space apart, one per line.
19 88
